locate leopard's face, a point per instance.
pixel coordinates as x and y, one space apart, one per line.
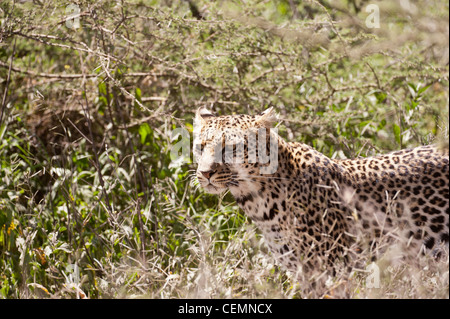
213 173
225 149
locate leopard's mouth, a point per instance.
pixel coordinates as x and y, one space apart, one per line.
213 189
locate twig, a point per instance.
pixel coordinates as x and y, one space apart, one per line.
71 17
5 93
376 76
76 75
90 142
332 25
136 123
38 37
97 162
49 75
293 9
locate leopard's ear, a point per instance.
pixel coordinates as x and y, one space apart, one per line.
267 118
202 115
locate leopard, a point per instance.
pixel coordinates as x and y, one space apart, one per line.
314 211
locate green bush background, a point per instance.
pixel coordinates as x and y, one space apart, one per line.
92 204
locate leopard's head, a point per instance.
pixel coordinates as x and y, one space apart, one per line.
233 150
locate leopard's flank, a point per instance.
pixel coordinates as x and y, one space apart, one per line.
311 208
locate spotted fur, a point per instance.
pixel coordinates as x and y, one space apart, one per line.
311 208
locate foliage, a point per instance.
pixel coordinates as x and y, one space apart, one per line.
91 203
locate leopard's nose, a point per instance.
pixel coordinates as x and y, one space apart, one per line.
208 174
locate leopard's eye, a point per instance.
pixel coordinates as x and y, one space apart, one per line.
227 154
230 153
199 147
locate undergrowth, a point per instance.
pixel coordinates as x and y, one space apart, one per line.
91 202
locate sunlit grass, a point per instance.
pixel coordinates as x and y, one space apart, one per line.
91 203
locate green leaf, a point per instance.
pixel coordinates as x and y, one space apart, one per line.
103 100
161 174
397 134
422 90
413 105
337 108
2 131
382 124
413 90
112 159
144 130
283 8
413 87
138 94
380 96
102 88
136 235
